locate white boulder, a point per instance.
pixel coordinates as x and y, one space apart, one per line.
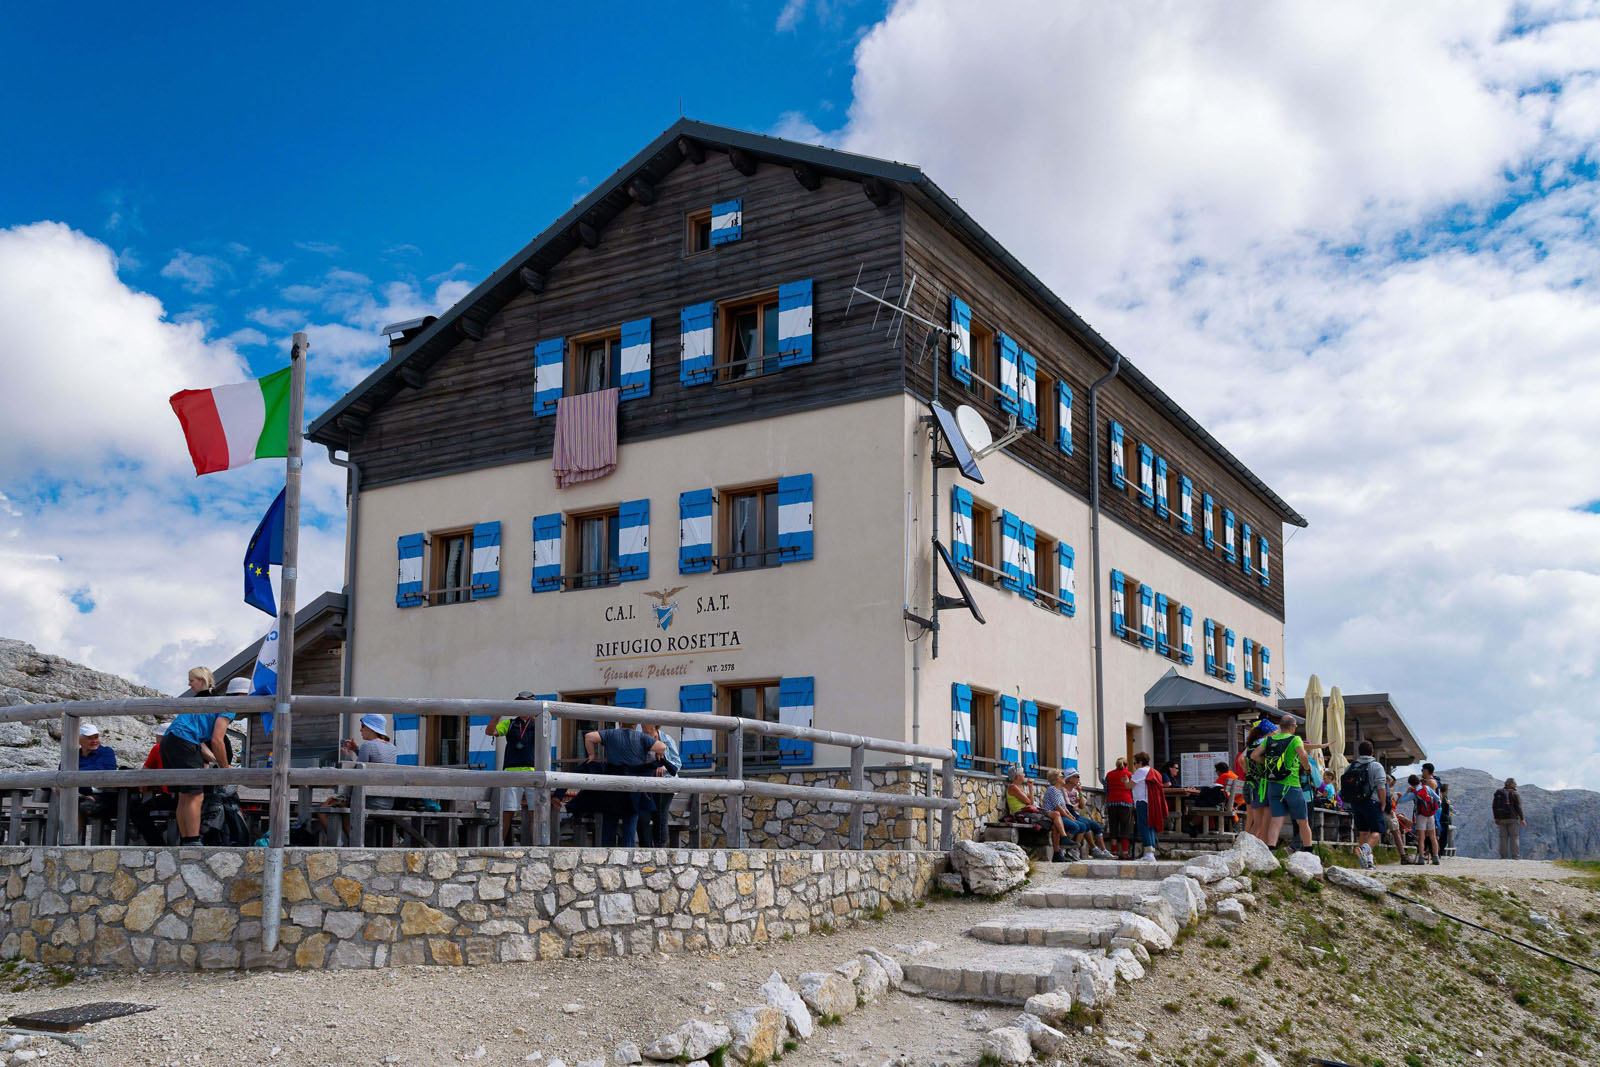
1009 1044
1305 866
990 868
776 992
828 993
1254 854
1054 1007
1129 969
1046 1039
890 967
1361 883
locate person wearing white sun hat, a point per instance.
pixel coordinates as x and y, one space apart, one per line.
374 747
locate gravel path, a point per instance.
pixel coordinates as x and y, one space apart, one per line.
429 1015
1493 870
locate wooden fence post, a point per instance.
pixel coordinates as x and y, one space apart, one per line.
733 813
67 798
858 781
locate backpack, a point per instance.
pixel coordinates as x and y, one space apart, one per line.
1427 802
221 820
1502 804
1280 760
1355 785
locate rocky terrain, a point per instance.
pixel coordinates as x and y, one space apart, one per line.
30 677
1562 823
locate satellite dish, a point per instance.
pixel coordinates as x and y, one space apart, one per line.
974 428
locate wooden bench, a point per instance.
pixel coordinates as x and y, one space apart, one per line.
1020 834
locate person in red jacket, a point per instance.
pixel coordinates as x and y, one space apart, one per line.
152 800
1119 810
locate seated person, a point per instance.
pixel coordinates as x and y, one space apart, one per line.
375 747
1328 791
1062 823
1020 805
1090 836
94 756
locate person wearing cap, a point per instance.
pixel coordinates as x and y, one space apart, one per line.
94 756
520 735
192 742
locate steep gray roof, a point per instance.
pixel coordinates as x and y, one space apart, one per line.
344 418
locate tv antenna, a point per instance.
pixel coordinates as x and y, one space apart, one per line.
899 312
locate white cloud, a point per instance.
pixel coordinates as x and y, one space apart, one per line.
1251 202
793 11
197 273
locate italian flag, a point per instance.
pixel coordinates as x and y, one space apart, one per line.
231 425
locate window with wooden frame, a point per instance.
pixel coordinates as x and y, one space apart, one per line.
985 732
1045 564
748 528
592 549
450 566
1219 648
1132 610
1174 629
752 700
447 740
985 544
1048 407
1174 498
697 232
570 744
594 361
1049 738
747 337
1254 666
985 361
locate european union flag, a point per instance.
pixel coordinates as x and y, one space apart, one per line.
266 549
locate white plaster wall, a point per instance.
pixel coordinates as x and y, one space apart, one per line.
835 617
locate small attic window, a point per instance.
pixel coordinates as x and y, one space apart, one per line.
697 232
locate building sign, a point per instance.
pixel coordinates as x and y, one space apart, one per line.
672 627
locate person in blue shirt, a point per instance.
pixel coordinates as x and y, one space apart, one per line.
193 742
94 756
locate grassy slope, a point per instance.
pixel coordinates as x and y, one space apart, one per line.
1320 972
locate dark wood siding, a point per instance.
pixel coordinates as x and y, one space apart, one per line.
944 263
475 409
318 671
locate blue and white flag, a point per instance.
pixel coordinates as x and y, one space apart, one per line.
263 553
264 682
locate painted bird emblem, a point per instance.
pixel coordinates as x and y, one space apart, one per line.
665 610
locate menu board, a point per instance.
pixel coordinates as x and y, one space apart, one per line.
1199 769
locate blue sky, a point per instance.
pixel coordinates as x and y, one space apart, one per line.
1357 241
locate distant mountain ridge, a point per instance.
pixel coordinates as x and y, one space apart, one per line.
1563 824
28 676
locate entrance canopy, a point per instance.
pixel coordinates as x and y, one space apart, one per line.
1373 717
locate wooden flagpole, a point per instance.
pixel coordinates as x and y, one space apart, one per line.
282 724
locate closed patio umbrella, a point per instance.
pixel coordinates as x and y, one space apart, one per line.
1314 710
1336 756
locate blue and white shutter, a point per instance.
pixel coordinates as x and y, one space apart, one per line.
961 723
485 560
549 369
694 531
546 553
1163 646
1232 654
1147 489
794 519
408 578
629 698
1028 389
1245 548
1207 514
796 701
633 540
1064 418
960 340
794 323
698 747
1266 561
1010 551
1161 487
1147 616
480 747
1119 477
635 359
727 222
1228 551
1030 738
1066 574
961 528
1186 503
1118 608
1249 664
1010 730
1211 646
695 330
1010 401
1266 671
1069 740
1030 545
1186 617
407 738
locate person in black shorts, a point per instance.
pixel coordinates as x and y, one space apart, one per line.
193 742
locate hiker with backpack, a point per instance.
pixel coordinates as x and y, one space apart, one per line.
1363 790
1255 783
1507 806
1424 812
1283 755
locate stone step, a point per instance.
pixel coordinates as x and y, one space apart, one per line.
1142 870
1089 893
979 970
1086 928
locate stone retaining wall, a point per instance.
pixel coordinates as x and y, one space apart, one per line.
200 908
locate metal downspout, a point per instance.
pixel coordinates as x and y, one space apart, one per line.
1094 551
352 528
